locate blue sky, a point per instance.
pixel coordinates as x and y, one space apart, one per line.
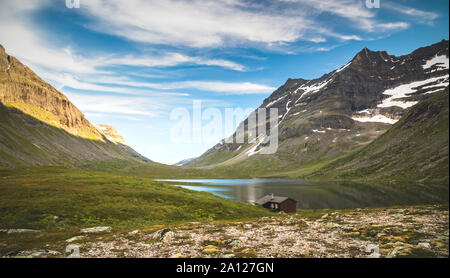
131 63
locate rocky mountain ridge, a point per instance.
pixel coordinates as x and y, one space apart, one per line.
39 125
344 109
21 88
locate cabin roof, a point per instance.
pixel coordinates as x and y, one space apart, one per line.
269 198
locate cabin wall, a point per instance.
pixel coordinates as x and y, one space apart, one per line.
288 206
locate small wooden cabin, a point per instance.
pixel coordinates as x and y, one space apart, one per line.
277 203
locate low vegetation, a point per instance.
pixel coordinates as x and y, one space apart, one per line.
54 197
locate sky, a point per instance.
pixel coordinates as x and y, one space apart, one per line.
132 63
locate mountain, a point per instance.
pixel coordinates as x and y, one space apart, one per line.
112 135
39 125
415 148
183 162
338 113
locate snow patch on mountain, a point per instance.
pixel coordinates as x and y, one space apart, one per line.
253 150
440 61
405 90
318 131
341 69
314 88
275 101
376 118
287 111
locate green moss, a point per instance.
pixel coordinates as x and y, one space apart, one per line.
29 198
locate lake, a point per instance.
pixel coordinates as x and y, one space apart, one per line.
319 195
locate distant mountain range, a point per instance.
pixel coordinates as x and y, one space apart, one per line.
338 113
39 125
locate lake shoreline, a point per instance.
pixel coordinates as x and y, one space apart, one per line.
319 194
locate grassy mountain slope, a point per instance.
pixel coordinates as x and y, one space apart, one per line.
26 140
414 149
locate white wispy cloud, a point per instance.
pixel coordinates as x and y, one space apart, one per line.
354 11
89 83
23 39
421 16
215 23
98 104
115 84
219 86
193 23
167 60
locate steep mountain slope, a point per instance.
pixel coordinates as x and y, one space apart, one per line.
340 112
39 125
415 148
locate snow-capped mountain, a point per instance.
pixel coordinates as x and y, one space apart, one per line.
345 108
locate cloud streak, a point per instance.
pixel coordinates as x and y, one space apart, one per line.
218 23
124 85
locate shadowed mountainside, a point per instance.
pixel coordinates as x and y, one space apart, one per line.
415 148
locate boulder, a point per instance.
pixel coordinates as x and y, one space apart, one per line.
167 237
161 233
374 250
74 251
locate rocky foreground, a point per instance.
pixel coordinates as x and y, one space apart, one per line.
392 232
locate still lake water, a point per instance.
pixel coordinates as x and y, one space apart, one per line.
318 195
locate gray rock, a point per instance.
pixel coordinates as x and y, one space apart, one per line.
75 238
425 245
161 233
74 251
135 232
332 225
19 231
235 243
44 253
168 237
99 229
374 250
